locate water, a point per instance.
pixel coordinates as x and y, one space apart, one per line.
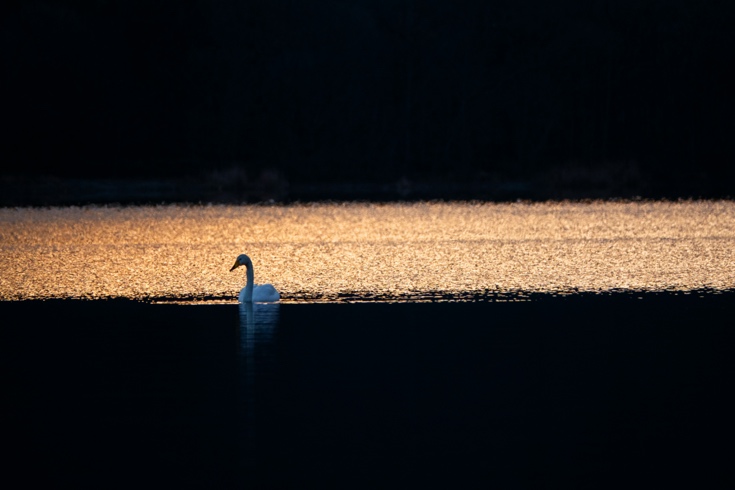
333 252
518 345
584 391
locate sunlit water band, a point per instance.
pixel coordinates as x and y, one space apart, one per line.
357 251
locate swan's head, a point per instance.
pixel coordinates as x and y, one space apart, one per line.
242 259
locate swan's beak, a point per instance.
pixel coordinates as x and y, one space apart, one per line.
237 264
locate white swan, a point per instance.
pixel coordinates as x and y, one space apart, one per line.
254 293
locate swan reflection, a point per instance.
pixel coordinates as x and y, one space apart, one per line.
258 323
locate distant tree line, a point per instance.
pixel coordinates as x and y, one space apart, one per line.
368 89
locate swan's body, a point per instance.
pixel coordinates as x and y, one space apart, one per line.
261 293
254 293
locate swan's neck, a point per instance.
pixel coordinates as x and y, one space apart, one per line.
250 284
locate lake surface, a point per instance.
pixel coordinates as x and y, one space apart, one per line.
574 345
340 252
582 391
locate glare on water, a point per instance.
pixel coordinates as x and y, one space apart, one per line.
331 252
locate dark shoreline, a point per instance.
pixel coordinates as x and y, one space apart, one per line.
51 191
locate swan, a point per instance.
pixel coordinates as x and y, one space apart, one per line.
254 293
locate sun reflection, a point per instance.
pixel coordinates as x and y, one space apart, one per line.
359 251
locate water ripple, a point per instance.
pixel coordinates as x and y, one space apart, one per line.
367 252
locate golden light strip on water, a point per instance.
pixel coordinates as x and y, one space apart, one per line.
367 252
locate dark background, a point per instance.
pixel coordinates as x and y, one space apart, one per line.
264 98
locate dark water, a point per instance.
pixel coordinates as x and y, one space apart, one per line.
582 391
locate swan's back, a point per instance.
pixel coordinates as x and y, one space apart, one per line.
263 293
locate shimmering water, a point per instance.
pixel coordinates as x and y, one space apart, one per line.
348 252
566 391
